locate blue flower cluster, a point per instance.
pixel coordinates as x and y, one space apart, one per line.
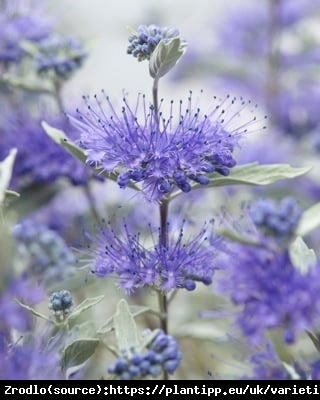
44 251
60 302
279 219
162 354
39 160
20 21
180 264
61 55
272 293
144 41
185 148
266 365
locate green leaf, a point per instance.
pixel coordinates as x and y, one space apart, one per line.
310 220
257 174
30 84
33 311
125 329
291 371
148 339
135 311
6 167
301 256
315 338
139 310
165 56
238 237
11 195
60 138
108 326
84 330
78 352
201 330
85 305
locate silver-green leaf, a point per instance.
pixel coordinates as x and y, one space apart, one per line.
33 311
125 329
301 256
257 174
165 56
79 351
85 305
310 220
58 136
135 311
6 167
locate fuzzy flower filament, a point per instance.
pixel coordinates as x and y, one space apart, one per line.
179 264
163 156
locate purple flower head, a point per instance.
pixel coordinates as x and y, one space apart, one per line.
163 157
271 293
31 359
39 159
145 40
266 365
61 56
265 222
45 254
20 20
277 219
179 264
12 315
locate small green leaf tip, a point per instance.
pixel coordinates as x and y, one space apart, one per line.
165 57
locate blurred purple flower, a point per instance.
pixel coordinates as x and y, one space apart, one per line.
59 55
271 293
266 365
39 159
21 20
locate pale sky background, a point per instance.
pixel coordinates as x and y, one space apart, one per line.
103 25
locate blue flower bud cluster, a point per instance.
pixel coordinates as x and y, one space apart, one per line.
143 43
162 354
60 302
44 248
279 220
63 56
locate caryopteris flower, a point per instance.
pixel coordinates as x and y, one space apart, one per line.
39 160
272 293
266 365
163 154
43 247
60 56
162 354
144 41
20 20
30 361
278 219
180 264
